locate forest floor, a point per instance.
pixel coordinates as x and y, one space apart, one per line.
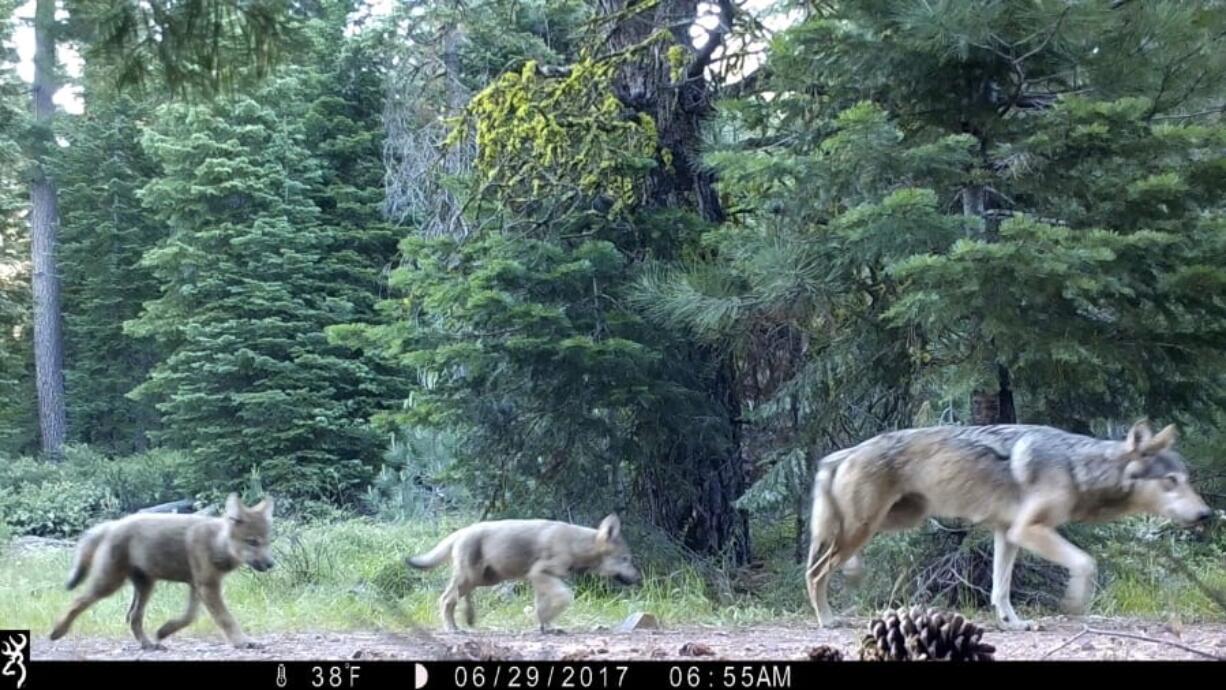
761 642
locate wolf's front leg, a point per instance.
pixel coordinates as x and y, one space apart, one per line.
1046 542
1004 554
210 593
552 597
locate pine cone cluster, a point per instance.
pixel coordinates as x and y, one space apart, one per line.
917 635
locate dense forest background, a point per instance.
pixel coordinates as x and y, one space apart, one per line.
560 257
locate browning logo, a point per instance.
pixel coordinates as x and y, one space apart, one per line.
14 645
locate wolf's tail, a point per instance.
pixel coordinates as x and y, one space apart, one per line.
84 556
436 555
825 525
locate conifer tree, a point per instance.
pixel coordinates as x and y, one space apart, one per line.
975 212
251 275
104 233
18 421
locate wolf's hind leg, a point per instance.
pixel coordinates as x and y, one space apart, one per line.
104 582
142 590
174 625
447 603
853 569
470 610
823 559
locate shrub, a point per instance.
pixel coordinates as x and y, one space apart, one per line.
136 481
21 471
62 499
57 508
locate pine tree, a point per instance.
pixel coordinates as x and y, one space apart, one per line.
249 284
343 126
105 232
1011 210
518 324
18 424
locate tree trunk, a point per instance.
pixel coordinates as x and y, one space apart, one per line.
987 406
678 106
44 225
707 517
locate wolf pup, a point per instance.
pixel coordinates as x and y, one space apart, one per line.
1022 481
540 551
194 549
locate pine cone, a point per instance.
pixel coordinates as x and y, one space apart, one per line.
953 638
887 636
825 653
916 635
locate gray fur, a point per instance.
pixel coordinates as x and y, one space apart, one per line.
1022 481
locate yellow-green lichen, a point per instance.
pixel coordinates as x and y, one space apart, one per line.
543 136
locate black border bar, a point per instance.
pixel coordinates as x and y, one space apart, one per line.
681 674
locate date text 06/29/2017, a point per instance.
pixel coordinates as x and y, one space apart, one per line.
583 676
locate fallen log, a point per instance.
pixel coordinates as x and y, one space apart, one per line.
186 505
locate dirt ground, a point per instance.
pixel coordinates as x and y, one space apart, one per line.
746 643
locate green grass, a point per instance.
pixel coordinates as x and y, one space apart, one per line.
350 575
1131 593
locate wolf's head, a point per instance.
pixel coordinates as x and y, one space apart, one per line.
250 530
615 560
1159 476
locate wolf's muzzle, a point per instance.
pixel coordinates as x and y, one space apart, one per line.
262 565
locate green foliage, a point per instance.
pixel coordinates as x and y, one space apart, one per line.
18 425
58 508
197 46
134 481
273 237
104 233
518 343
411 485
938 193
62 499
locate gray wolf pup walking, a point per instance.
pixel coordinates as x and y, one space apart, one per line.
194 549
1022 481
540 551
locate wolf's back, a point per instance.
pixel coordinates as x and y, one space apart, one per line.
436 555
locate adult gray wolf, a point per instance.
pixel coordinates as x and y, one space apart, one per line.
539 551
195 549
1022 481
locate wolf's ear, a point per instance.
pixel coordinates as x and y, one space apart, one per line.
610 529
264 506
234 507
1138 436
1163 439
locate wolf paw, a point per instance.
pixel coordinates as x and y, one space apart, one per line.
153 647
1018 625
247 644
552 631
1073 606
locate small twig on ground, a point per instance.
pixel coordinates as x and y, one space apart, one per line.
1084 629
1087 630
